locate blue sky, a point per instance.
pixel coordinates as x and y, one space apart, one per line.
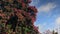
48 16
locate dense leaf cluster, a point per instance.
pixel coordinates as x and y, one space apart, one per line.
17 17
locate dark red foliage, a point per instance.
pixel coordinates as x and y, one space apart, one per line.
23 5
33 8
18 12
29 1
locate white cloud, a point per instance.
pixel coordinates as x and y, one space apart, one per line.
58 21
34 2
41 27
47 7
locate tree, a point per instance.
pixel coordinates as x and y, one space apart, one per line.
17 17
54 32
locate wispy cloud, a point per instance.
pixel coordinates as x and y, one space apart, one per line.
57 24
41 27
47 7
34 2
58 21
